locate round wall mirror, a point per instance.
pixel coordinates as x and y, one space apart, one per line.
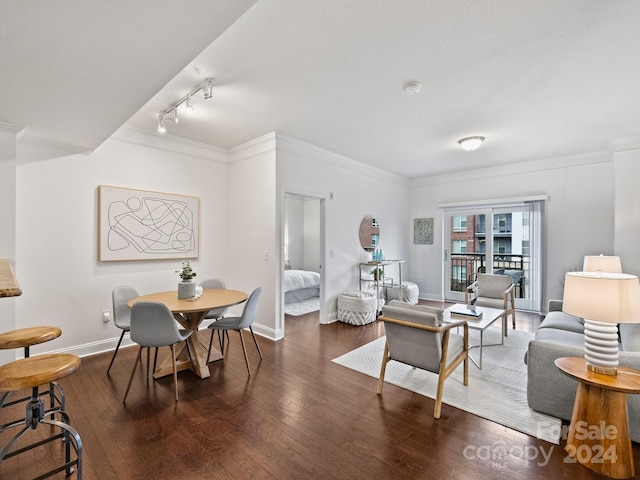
369 234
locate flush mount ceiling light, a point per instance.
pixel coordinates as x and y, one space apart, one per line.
471 143
171 114
412 88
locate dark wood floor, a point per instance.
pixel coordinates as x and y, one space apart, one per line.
298 416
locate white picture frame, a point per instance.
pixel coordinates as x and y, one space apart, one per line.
146 225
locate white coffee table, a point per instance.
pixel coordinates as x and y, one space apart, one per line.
489 316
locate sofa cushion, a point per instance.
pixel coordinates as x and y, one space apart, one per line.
559 337
562 321
630 336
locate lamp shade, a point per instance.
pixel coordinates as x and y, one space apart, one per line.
602 296
602 263
8 282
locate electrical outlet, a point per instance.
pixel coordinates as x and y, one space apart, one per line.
106 316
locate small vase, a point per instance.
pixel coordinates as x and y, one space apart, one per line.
186 289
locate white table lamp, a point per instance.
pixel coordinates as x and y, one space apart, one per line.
603 299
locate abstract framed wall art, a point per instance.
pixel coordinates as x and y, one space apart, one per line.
423 231
145 225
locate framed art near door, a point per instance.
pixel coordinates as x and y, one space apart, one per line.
145 225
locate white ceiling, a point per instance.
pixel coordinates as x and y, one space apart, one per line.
538 78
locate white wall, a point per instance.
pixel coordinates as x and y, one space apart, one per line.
8 227
302 225
627 209
351 191
311 220
251 228
579 212
294 226
63 282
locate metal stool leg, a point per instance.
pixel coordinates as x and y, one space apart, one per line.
35 415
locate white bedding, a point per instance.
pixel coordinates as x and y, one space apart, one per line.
300 284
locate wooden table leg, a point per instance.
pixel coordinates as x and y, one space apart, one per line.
599 432
196 362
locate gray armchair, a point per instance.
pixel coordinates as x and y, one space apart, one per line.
417 337
494 291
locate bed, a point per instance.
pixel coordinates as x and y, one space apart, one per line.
300 285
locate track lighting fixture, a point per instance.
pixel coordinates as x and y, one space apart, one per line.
207 88
171 114
190 103
161 127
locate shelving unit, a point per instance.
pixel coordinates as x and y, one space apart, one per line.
380 282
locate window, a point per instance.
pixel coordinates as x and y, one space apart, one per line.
460 273
459 246
502 223
501 245
459 223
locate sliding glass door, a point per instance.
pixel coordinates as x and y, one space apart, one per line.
502 239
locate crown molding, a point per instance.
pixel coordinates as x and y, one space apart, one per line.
60 148
129 133
11 128
514 169
297 146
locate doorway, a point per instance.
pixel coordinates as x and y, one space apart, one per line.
302 254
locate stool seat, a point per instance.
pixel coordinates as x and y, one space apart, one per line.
34 371
25 337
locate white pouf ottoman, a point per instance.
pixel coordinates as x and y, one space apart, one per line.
409 293
357 307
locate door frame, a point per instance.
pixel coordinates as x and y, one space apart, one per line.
285 191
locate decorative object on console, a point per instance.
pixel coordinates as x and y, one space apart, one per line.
603 299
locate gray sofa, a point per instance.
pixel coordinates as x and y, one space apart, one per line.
562 335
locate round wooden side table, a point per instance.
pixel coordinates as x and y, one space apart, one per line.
599 430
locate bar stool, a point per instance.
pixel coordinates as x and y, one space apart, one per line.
31 373
25 338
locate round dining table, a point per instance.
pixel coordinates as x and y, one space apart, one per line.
190 313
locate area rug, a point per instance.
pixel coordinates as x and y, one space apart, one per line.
302 307
498 392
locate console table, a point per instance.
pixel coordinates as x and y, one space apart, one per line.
378 281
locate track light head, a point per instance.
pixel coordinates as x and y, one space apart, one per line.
189 103
161 126
172 115
207 88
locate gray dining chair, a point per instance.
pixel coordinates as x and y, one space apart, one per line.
238 324
216 313
153 325
121 313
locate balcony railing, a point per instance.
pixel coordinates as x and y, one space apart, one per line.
473 263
